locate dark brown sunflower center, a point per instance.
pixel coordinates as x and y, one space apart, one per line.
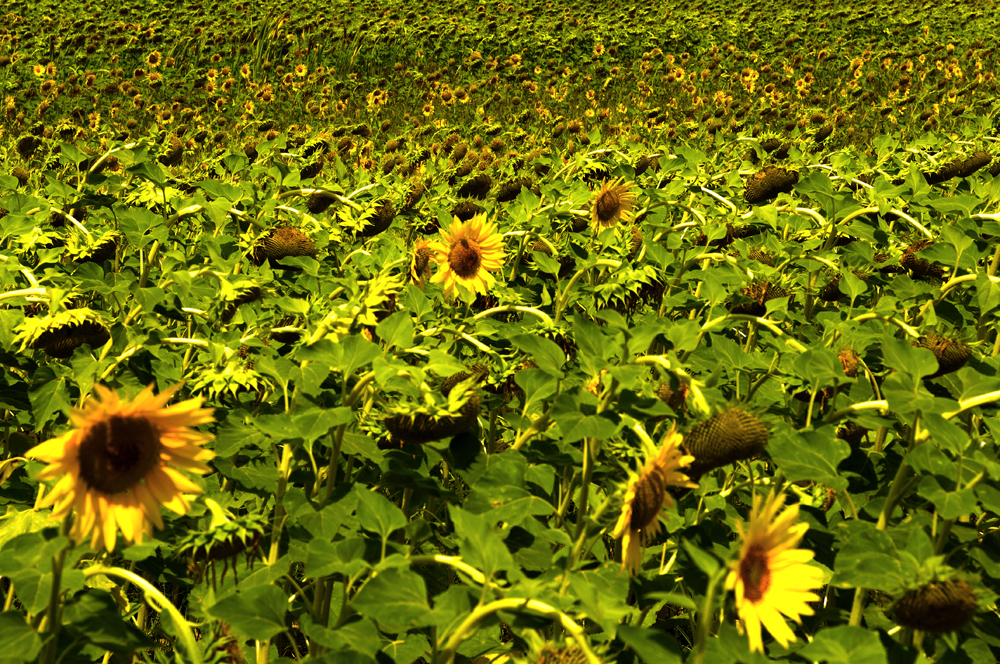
117 453
465 258
607 206
422 259
650 491
755 573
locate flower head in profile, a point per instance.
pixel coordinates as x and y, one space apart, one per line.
120 464
613 203
646 495
420 262
771 576
466 254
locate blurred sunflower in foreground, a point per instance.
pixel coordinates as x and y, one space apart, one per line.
466 254
647 494
772 577
120 464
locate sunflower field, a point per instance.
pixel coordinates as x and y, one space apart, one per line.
538 333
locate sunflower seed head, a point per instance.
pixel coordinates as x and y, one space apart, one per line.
940 606
724 438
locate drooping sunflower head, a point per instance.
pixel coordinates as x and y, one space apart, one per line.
727 437
613 203
647 494
119 464
771 576
939 606
466 255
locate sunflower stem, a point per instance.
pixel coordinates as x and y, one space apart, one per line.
857 607
54 609
160 602
705 617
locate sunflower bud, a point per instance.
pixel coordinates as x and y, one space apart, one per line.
465 210
951 354
283 242
380 221
319 201
920 267
570 655
477 187
973 163
724 438
312 170
940 606
61 341
421 428
768 183
952 169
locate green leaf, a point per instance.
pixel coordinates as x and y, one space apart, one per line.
218 189
48 396
705 561
479 545
148 170
902 356
346 557
396 331
851 285
94 616
987 293
949 504
356 351
140 225
820 367
809 455
256 613
602 593
547 355
377 513
316 422
867 559
355 634
845 644
652 646
18 642
395 597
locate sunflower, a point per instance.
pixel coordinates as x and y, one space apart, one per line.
612 203
646 495
772 577
420 263
120 464
466 254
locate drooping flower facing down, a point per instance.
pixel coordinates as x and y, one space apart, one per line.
613 203
771 576
120 464
645 497
466 254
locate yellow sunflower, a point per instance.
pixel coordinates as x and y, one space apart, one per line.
466 254
120 464
772 577
647 494
613 203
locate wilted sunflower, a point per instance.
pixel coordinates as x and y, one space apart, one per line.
120 464
466 254
646 495
613 203
772 577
